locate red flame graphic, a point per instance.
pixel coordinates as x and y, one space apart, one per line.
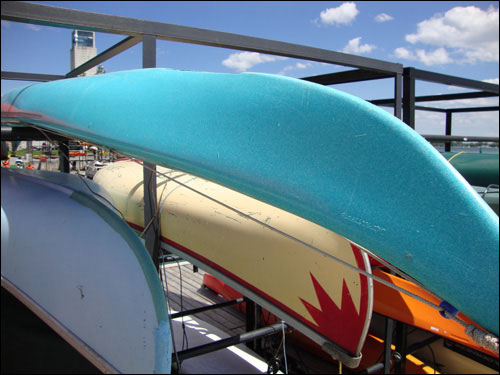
344 325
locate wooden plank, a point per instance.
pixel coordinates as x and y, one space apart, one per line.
194 295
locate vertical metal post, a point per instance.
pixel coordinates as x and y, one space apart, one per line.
447 144
409 98
389 324
397 94
409 118
63 156
258 321
250 326
401 347
152 234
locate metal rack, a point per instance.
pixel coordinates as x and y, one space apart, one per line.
137 31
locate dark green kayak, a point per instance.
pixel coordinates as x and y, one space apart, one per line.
477 168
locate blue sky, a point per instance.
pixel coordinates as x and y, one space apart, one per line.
452 37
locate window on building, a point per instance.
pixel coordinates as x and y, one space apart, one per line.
83 38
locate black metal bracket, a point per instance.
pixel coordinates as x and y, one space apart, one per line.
230 341
206 308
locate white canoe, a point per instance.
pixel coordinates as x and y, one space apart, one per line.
78 266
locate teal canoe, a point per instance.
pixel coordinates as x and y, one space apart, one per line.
329 157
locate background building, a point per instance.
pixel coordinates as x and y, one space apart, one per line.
83 49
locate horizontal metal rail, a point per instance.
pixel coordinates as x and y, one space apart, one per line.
18 76
206 308
442 97
473 109
424 75
459 138
19 133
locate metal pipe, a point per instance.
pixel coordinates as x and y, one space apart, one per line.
230 341
28 133
373 369
63 156
389 324
152 234
447 144
459 138
409 99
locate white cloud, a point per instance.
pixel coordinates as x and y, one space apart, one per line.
33 27
471 32
302 66
297 66
437 57
354 46
342 15
403 53
242 61
383 17
491 80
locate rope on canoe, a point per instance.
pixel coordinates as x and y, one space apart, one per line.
454 156
482 338
479 336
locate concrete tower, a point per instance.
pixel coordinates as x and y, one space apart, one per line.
83 49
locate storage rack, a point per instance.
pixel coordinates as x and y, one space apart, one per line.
147 32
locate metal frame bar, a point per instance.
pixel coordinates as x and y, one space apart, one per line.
18 76
63 156
409 100
389 329
447 144
152 234
459 138
474 109
206 308
106 55
435 109
398 87
424 75
434 98
18 133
